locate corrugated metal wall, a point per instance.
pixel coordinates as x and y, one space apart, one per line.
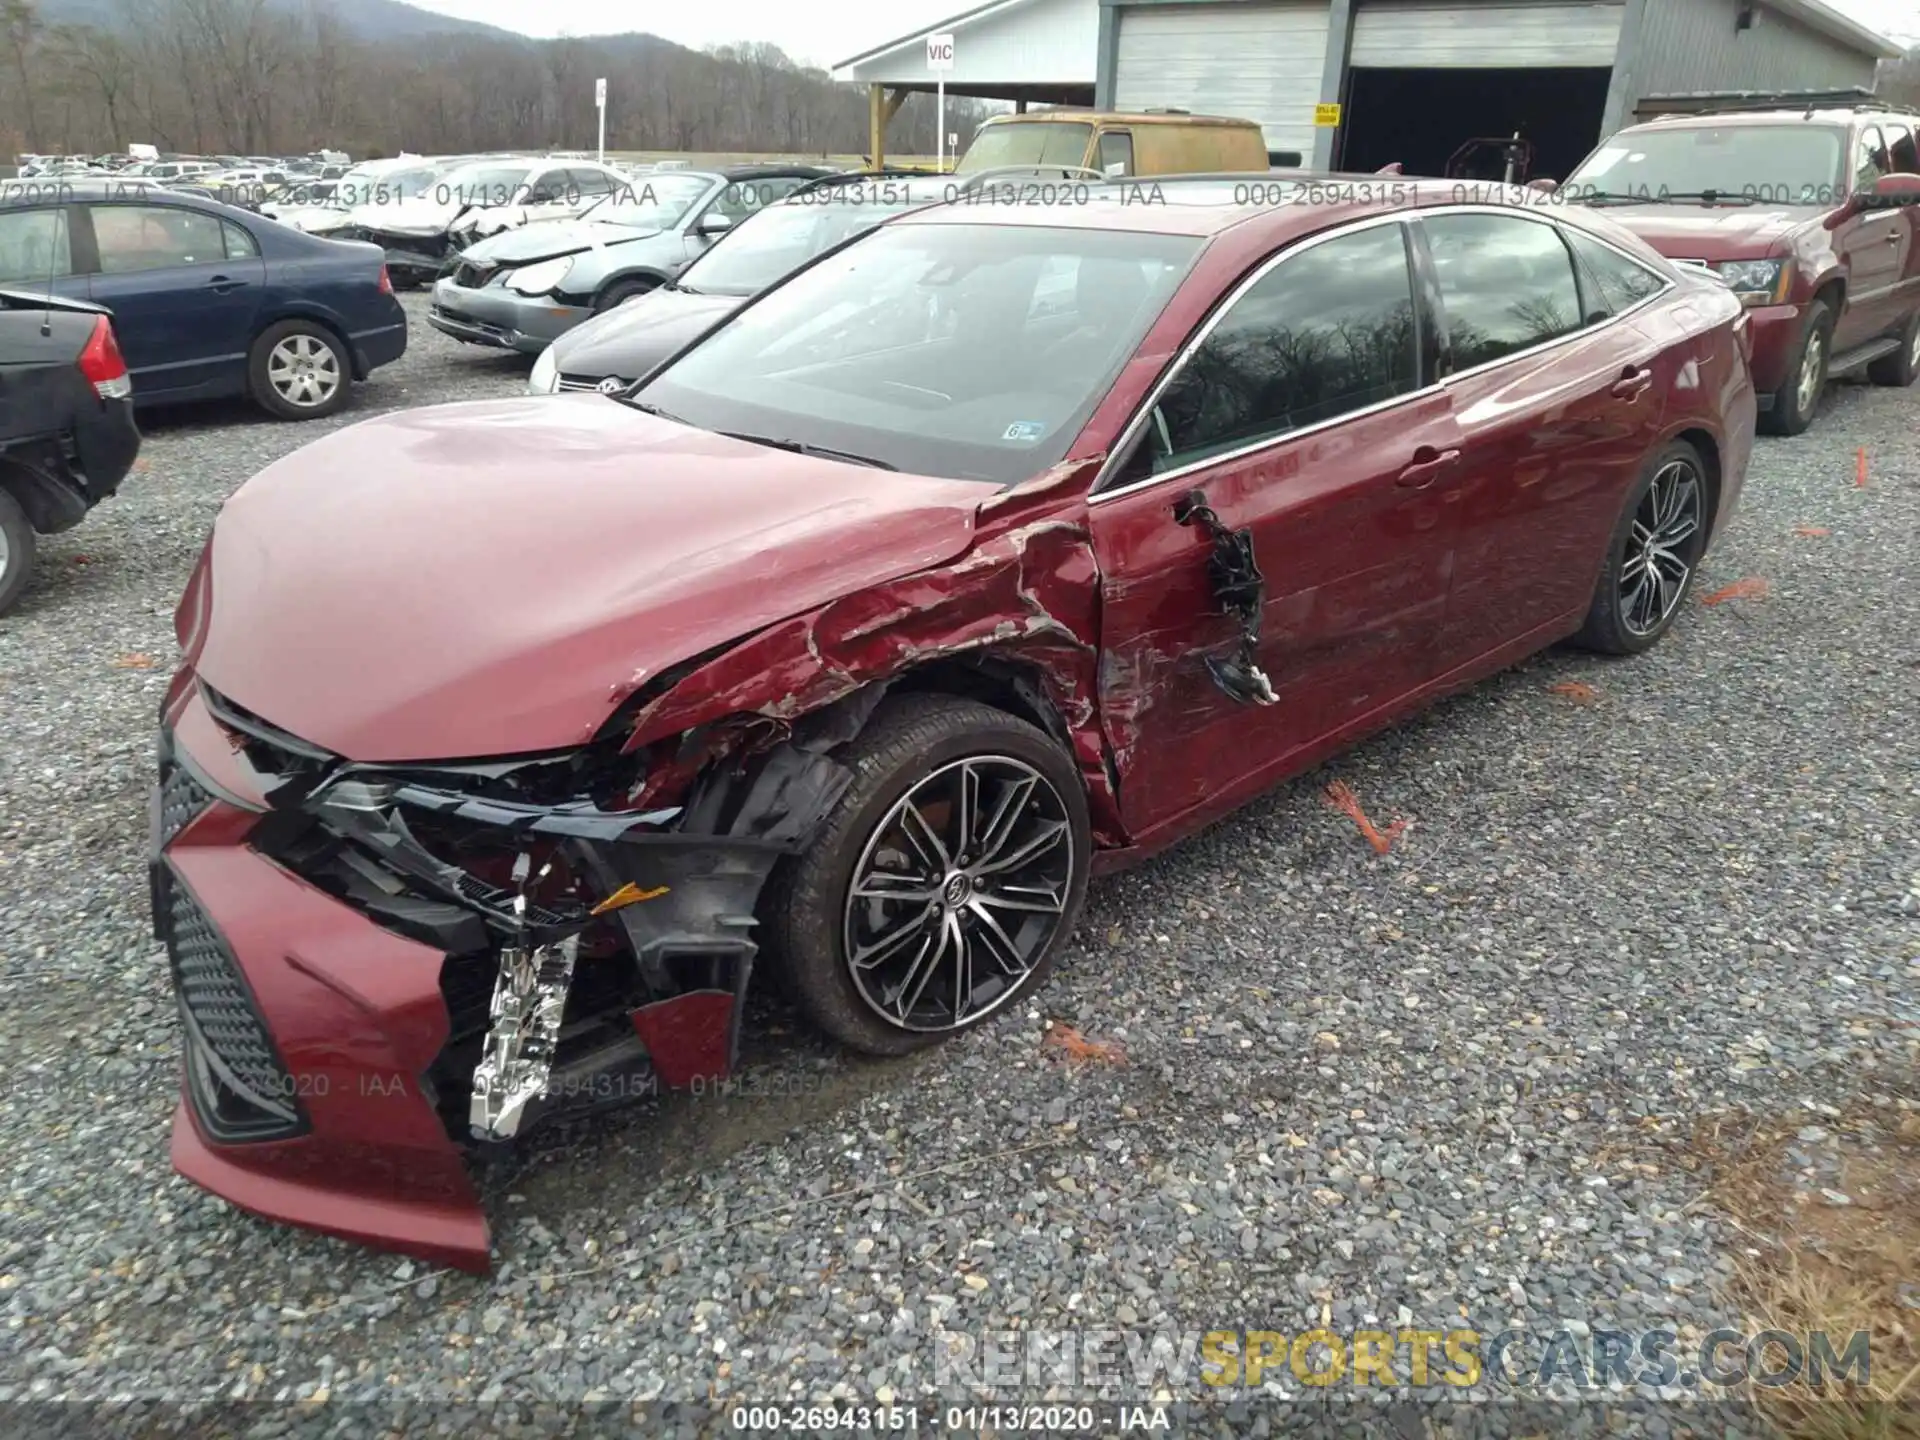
1692 45
1420 34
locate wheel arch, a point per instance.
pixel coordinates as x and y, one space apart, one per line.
49 506
314 316
1707 447
647 273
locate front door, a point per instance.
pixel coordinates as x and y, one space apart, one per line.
1874 243
1303 415
184 287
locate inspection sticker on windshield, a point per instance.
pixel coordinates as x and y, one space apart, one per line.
1026 431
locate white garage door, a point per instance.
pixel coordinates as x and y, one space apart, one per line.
1412 35
1257 62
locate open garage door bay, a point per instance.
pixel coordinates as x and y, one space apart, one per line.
1256 61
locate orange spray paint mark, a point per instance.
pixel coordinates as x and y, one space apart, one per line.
1344 800
1860 467
1752 588
1577 691
1081 1050
1812 532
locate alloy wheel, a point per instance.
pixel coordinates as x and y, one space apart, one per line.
304 371
6 554
1813 372
1661 548
958 893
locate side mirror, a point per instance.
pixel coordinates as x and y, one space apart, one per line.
1899 188
1543 185
713 225
1115 170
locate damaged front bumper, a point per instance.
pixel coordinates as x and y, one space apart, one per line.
379 968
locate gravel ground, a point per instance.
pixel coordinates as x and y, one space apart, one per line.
1437 1087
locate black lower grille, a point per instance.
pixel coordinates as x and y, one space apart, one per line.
181 799
240 1088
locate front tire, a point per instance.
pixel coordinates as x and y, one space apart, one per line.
620 292
1652 556
1798 397
16 550
299 370
940 888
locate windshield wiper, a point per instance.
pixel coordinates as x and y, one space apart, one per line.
801 447
645 409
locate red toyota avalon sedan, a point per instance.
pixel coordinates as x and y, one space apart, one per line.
1004 544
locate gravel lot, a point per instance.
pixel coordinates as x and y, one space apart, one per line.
1442 1083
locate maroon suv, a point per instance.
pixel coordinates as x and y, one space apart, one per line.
1811 215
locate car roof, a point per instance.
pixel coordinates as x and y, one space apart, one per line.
88 189
1728 119
1210 205
766 172
1119 117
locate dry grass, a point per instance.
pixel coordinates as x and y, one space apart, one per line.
1811 1264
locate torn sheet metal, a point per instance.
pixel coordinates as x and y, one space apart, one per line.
1240 588
529 1001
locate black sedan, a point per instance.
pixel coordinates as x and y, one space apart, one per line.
208 300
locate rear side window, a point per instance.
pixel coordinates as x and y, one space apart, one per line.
133 238
1507 284
1322 334
1902 148
240 245
1609 281
1116 148
34 244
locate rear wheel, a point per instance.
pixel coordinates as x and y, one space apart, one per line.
620 292
1798 397
1651 558
1902 365
299 370
941 887
16 550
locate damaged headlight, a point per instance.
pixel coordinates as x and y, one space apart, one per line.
1756 282
541 279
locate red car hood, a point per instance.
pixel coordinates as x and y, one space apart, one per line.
1711 232
489 579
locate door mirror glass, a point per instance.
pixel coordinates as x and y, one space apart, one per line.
713 223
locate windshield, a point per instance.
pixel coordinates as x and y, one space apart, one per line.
1787 164
380 187
970 351
480 185
781 239
652 203
1027 143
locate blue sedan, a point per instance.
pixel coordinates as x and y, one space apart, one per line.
208 300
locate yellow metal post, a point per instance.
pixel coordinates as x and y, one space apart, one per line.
881 108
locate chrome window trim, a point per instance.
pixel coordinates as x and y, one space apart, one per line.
1129 433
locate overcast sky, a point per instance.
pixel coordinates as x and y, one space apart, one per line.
825 33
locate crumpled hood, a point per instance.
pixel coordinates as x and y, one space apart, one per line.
1683 231
549 239
631 339
421 214
492 578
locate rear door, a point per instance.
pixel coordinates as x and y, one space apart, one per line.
185 288
1557 399
37 251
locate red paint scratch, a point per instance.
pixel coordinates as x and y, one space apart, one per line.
1343 799
1752 588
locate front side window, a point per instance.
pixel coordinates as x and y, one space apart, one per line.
132 238
1507 284
34 244
1324 333
1870 161
920 347
1116 149
742 198
1033 142
1614 283
1901 148
1792 163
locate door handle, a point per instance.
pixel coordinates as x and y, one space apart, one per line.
1427 465
1893 237
221 284
1632 384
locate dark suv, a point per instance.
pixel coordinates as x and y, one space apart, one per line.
1811 214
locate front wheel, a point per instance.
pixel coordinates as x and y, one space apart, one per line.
1900 368
620 292
940 888
1798 397
1651 558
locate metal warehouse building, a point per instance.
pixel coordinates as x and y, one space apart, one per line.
1412 79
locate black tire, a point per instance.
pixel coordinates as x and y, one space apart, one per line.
1900 368
621 291
16 550
314 342
1616 624
1794 406
911 739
